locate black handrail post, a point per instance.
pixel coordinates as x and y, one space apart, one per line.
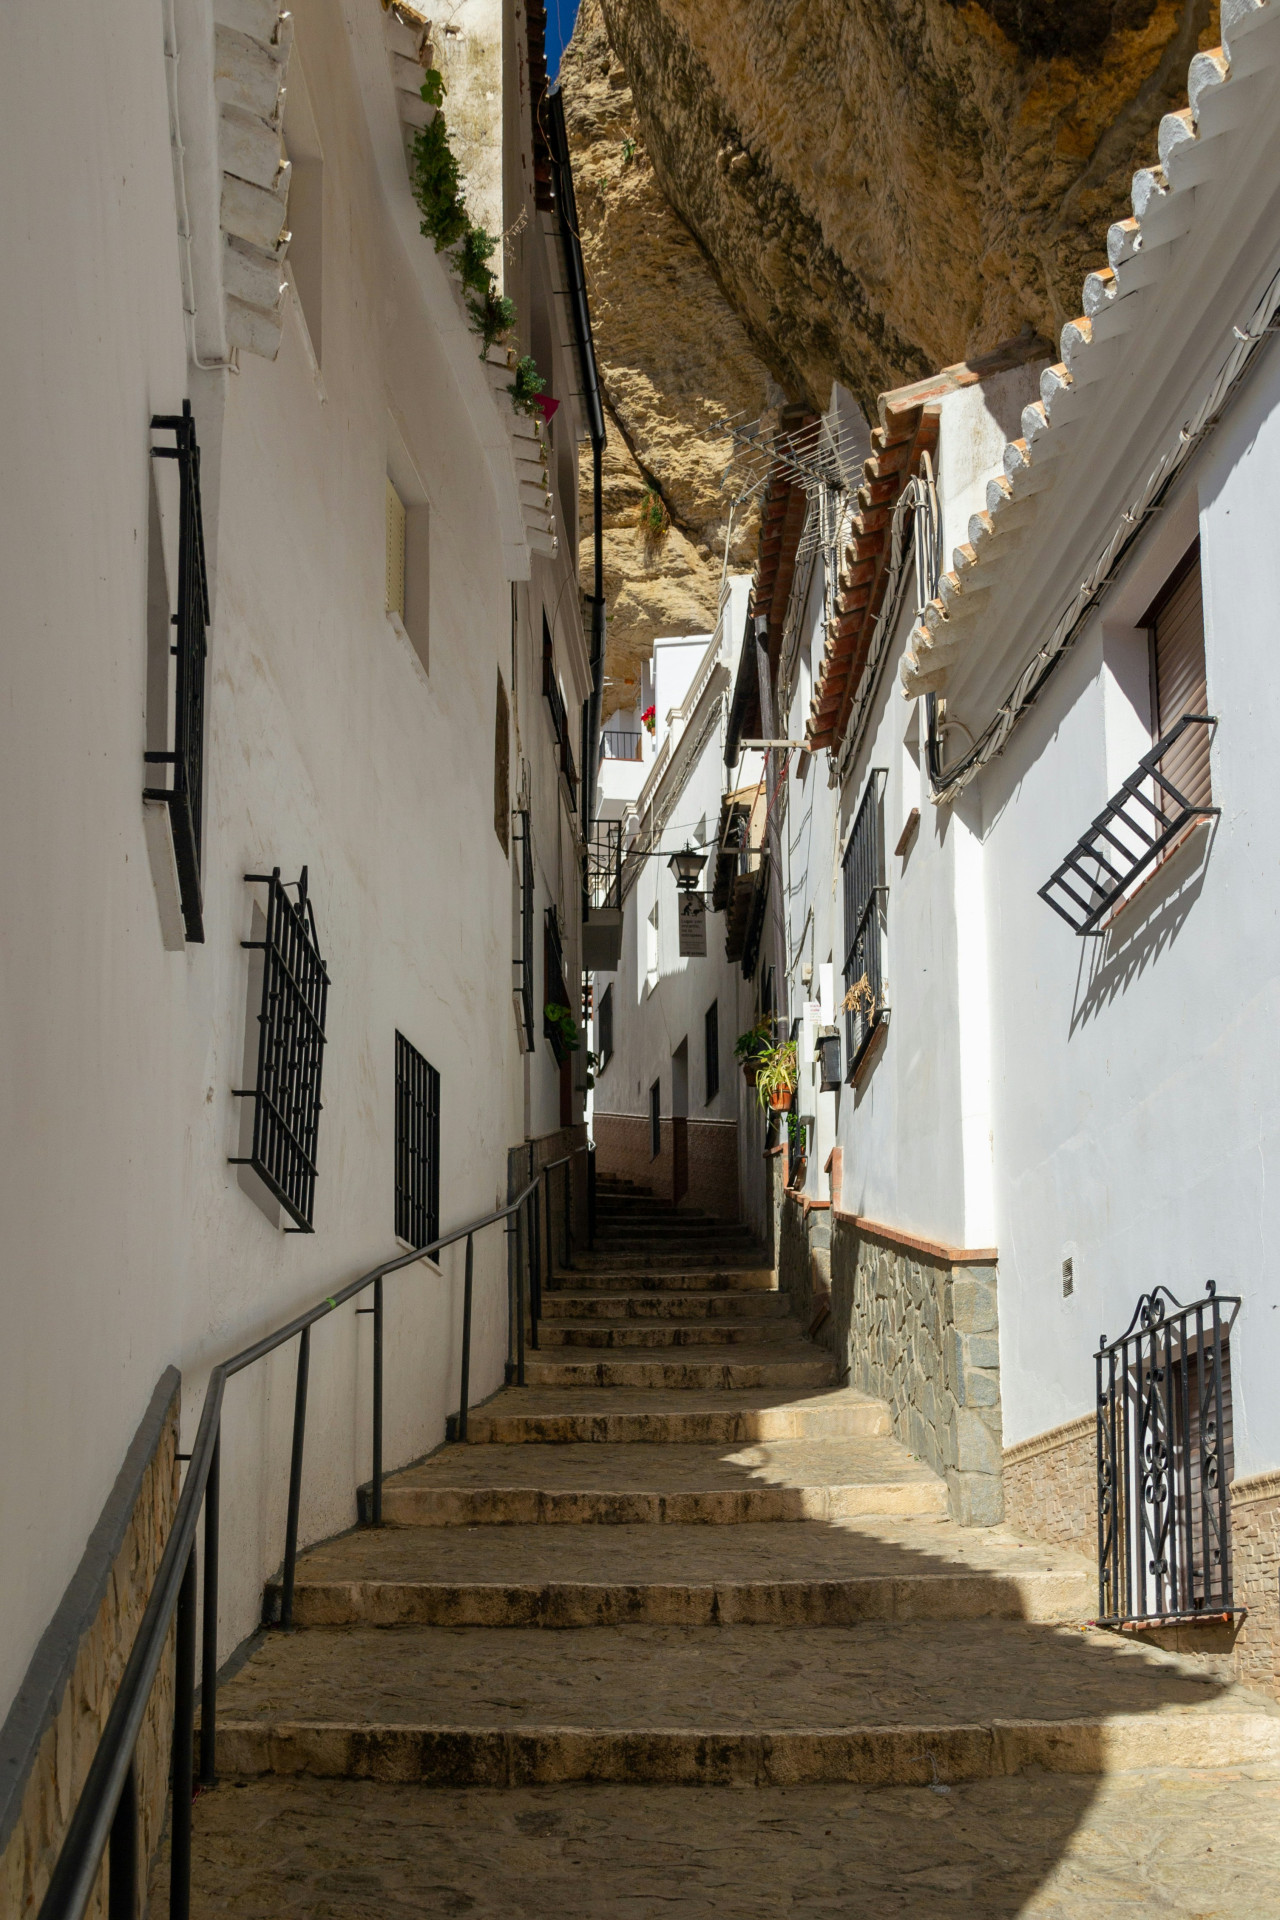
535 1274
591 1197
521 1238
295 1478
122 1861
466 1341
376 1503
567 1235
184 1718
209 1641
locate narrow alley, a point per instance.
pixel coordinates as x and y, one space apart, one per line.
683 1557
639 989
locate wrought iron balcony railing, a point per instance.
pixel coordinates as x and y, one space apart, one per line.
1130 833
604 866
620 743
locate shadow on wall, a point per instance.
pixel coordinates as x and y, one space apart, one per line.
1146 925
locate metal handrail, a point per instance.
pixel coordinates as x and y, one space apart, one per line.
106 1811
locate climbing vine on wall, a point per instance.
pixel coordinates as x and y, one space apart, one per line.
438 189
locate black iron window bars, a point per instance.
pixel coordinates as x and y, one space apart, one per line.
554 987
1132 831
184 796
864 889
559 713
286 1097
1165 1462
524 959
417 1146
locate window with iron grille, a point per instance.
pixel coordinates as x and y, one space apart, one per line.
286 1096
524 958
655 1119
559 713
604 1027
864 894
555 991
711 1031
417 1146
184 795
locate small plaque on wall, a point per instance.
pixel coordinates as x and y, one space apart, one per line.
693 926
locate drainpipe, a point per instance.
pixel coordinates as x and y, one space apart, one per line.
567 214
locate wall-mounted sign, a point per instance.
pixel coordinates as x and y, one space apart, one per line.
693 926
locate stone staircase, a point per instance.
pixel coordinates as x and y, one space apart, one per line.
685 1556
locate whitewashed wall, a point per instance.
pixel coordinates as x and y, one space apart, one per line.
130 1241
1110 1101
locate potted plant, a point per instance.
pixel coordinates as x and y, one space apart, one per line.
561 1030
776 1075
749 1046
649 719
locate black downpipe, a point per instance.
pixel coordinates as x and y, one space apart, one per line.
567 211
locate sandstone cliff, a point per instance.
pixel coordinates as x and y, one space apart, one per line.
861 190
674 359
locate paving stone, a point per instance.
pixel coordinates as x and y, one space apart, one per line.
1048 1847
587 1484
790 1365
652 1416
781 1574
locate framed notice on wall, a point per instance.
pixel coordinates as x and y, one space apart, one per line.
693 926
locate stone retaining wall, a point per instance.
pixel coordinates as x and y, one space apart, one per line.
1051 1486
1050 1491
49 1737
918 1327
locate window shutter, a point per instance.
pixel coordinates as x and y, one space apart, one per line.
1178 682
395 552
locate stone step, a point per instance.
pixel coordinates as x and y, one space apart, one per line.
742 1304
519 1415
1046 1846
640 1278
663 1333
728 1367
889 1704
570 1484
786 1574
679 1228
666 1256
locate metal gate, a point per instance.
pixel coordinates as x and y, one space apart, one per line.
1165 1462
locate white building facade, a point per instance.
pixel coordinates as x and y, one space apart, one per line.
395 699
1045 1115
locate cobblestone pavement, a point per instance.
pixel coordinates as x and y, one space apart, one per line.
1201 1846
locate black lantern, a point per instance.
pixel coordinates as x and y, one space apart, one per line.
687 867
829 1059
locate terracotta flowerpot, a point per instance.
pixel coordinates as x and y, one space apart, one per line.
780 1098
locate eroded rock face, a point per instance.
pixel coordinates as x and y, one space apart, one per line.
675 359
852 190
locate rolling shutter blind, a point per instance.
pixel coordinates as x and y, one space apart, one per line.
395 552
1178 684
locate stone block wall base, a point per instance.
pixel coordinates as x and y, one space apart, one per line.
624 1151
1050 1492
919 1329
50 1735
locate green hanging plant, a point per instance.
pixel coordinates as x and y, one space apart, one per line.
438 189
527 385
